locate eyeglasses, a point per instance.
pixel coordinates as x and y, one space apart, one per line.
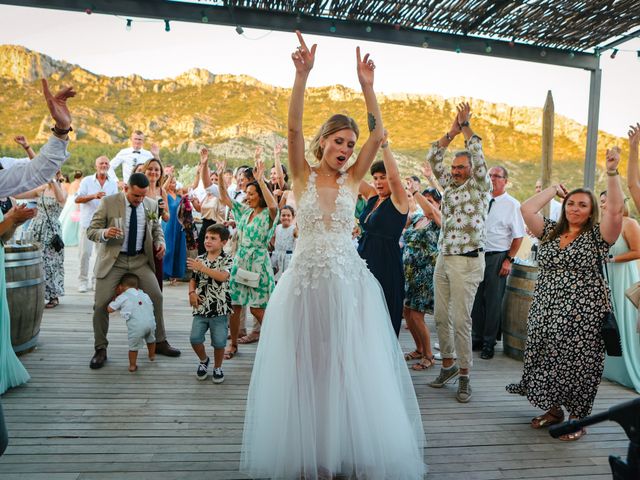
494 175
459 167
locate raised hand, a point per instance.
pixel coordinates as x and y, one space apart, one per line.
303 58
204 155
258 154
427 171
277 149
155 150
365 67
464 113
220 166
258 170
634 135
613 158
561 190
21 140
57 105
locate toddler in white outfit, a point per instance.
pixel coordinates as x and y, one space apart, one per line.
137 309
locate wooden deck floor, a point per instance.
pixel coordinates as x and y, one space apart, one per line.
70 422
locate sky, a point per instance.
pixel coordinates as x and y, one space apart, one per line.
102 44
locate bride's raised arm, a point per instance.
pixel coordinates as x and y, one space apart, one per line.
303 59
374 119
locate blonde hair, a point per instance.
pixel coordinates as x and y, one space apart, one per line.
334 124
162 178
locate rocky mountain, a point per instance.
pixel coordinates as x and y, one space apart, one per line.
232 114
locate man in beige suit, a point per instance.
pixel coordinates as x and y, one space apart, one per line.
126 228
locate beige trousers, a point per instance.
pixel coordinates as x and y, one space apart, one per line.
456 279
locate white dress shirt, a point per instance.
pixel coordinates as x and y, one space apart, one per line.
504 223
141 226
129 159
89 186
8 162
555 210
26 176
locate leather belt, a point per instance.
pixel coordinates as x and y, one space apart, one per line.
472 253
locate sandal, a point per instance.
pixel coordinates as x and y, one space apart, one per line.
415 355
572 437
253 338
230 352
52 303
547 419
424 364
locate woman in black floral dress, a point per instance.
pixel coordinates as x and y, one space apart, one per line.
564 354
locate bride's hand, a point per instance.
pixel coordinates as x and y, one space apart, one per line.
303 58
365 68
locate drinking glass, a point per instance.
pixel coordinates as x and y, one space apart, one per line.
118 222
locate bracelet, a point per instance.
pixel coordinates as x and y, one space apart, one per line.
61 131
27 147
449 137
384 145
464 124
613 173
192 291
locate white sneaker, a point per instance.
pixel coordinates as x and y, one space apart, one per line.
436 346
83 289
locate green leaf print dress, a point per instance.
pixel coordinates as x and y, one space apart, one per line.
252 255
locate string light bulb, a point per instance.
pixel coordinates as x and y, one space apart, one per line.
128 27
458 50
425 43
543 53
239 30
332 28
204 18
368 29
488 48
614 53
167 27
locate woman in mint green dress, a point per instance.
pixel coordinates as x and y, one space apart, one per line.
12 372
622 271
256 221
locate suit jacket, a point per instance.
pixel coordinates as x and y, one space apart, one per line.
110 208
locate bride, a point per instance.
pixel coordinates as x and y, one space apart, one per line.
330 392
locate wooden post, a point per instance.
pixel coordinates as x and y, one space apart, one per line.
547 145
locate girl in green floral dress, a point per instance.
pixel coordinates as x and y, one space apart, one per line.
256 220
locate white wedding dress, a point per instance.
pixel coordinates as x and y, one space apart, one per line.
330 391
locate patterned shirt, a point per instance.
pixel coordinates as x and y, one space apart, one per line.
215 297
464 207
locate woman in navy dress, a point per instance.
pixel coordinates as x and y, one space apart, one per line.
382 221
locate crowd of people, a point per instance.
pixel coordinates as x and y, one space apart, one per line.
327 313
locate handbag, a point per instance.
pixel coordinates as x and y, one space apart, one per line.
56 241
609 329
633 294
247 277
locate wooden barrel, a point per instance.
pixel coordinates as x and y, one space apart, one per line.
25 294
515 309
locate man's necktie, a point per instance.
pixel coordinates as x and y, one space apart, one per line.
491 204
133 232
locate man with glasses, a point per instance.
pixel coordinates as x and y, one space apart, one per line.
504 232
460 264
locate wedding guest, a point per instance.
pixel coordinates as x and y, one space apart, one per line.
284 242
44 228
126 237
92 189
419 255
28 175
12 372
460 264
211 210
152 169
382 221
175 259
504 232
256 220
136 308
130 157
70 216
564 353
210 298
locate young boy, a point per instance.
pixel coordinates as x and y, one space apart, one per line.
211 301
137 309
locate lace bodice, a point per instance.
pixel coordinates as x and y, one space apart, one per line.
325 219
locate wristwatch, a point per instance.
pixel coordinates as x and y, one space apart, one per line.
511 259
